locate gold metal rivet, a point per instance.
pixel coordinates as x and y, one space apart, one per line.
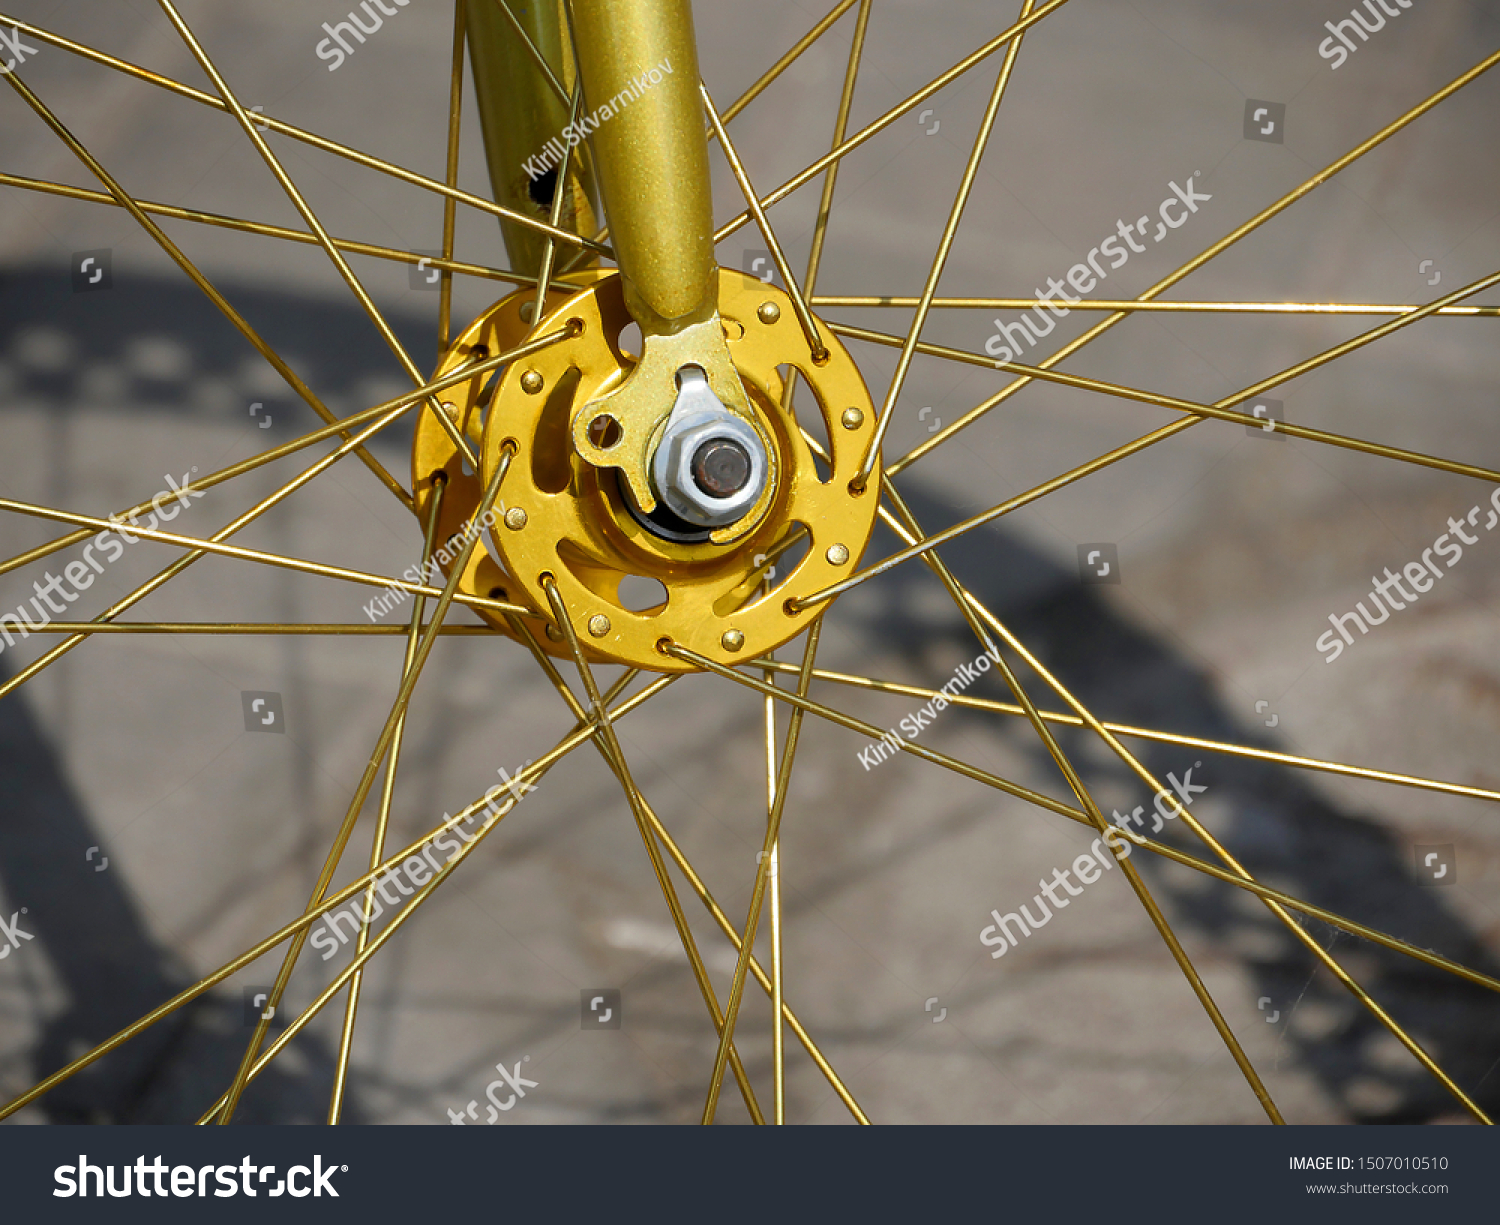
768 313
733 640
532 382
515 518
451 409
837 555
853 418
555 634
598 625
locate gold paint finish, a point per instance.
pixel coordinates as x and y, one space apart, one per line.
639 63
520 111
640 405
581 529
434 453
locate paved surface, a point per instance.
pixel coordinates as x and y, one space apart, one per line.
1233 549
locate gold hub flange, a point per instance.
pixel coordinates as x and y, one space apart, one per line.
566 518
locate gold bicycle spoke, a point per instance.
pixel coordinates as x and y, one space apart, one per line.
1200 413
1265 892
537 57
383 816
1131 306
215 546
549 248
809 328
356 286
967 601
293 380
1216 249
785 62
309 138
270 231
199 549
725 926
1095 815
879 125
762 871
609 746
940 260
341 426
306 628
450 205
526 776
830 180
1220 409
690 946
778 1053
1140 733
1308 941
387 736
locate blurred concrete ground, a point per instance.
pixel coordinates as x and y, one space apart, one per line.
1233 550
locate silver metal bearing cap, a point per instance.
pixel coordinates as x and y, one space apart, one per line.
710 465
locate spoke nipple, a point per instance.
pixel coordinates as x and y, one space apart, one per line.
733 640
768 313
852 419
515 518
532 382
527 311
837 554
598 625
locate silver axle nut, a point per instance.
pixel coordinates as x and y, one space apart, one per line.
710 466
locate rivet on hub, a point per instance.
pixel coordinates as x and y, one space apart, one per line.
733 640
768 313
837 554
852 419
532 382
598 625
515 518
554 634
450 410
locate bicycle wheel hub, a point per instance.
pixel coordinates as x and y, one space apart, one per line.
749 516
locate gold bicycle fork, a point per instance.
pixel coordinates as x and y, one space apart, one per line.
640 140
642 118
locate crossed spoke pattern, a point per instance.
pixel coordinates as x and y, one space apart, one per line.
596 715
